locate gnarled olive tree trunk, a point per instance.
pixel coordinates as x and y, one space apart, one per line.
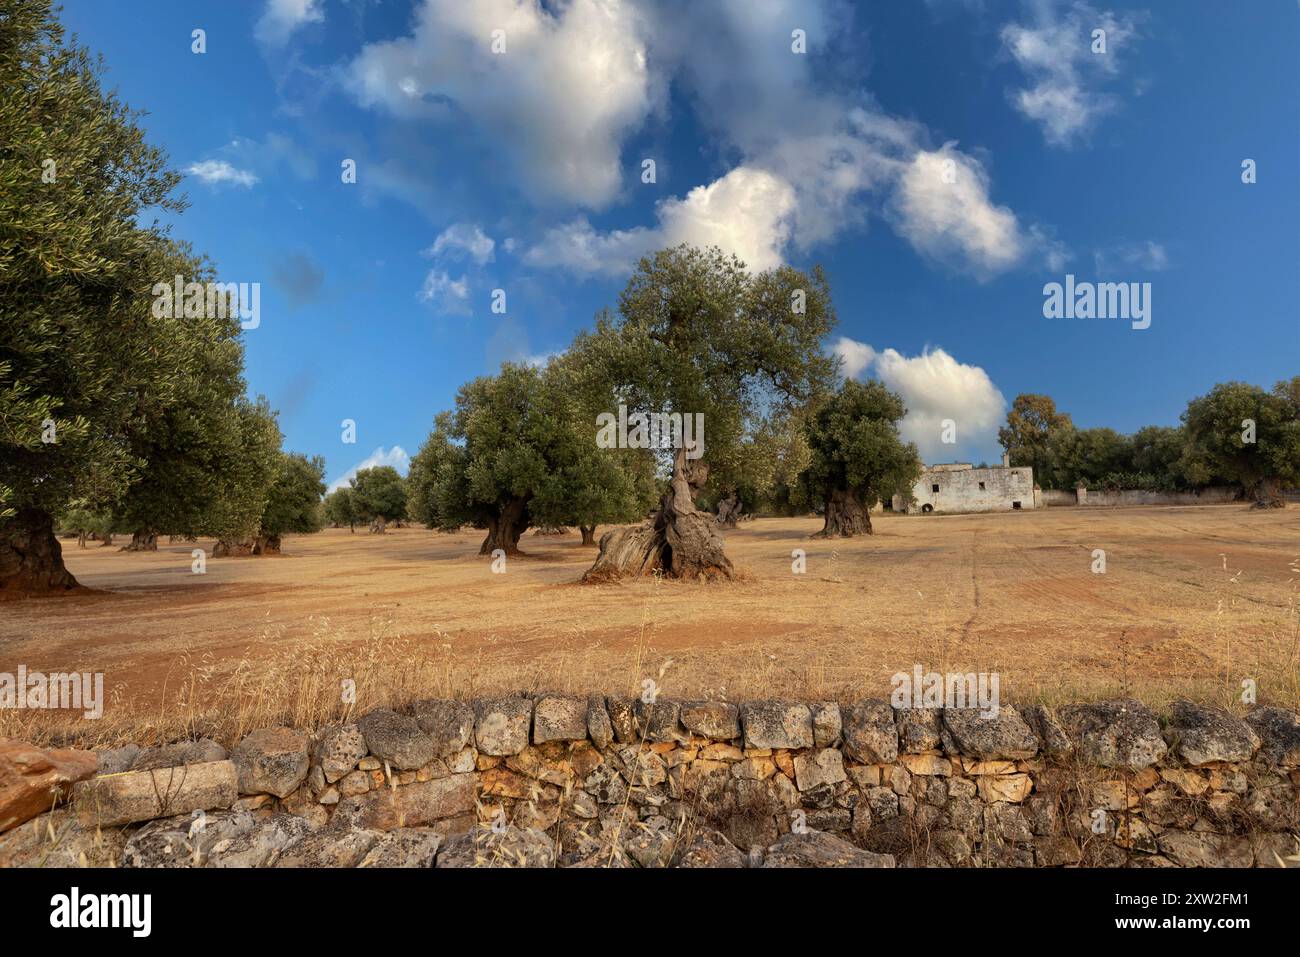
106 539
679 540
31 559
504 528
142 540
846 516
267 545
729 510
588 534
234 548
1268 494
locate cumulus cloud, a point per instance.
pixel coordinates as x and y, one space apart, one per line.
1065 95
934 387
214 172
461 240
942 207
811 154
815 160
281 18
854 356
396 457
446 294
746 212
569 87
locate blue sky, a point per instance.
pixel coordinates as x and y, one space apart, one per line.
942 159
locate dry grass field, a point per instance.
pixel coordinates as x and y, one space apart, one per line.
1193 600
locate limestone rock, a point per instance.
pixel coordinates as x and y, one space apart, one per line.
405 847
659 723
339 749
870 735
397 739
711 848
161 792
329 847
935 765
1113 734
185 840
32 779
650 842
1279 733
259 846
413 805
117 760
503 725
1201 735
1055 742
1197 849
1004 787
918 729
776 724
510 847
449 724
989 737
599 728
271 761
181 753
824 766
819 849
622 719
559 718
712 719
827 724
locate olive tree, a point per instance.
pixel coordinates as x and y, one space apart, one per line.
379 496
857 457
698 334
293 501
1244 434
80 352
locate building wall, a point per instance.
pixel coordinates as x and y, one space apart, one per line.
960 489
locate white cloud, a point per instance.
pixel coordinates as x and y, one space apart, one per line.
446 294
1065 75
746 212
463 239
219 171
396 457
943 208
810 154
934 387
854 356
560 100
282 17
1147 256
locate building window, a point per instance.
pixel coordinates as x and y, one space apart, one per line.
981 486
1015 504
934 488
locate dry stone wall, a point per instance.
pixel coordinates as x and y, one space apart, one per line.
547 780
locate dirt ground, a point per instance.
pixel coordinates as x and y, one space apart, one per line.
1192 601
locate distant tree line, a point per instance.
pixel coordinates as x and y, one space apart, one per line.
1237 434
